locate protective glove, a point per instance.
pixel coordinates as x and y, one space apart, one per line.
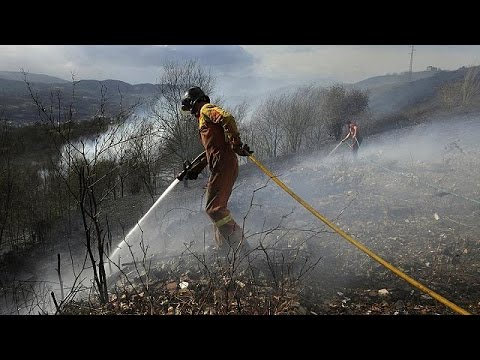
195 168
242 150
191 175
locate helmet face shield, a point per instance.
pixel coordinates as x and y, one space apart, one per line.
190 98
187 105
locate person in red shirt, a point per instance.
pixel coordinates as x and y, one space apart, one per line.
221 140
354 134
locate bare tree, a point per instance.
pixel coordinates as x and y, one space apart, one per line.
83 169
266 135
450 94
6 179
341 105
318 129
462 92
302 119
471 85
179 131
144 156
300 112
240 111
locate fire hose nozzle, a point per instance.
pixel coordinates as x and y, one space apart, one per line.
197 165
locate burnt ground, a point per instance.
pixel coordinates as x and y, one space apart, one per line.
415 202
412 197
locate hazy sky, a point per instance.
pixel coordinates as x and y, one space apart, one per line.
237 67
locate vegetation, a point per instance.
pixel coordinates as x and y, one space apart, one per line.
69 166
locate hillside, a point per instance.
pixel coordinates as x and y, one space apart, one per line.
415 204
412 197
389 94
16 104
395 94
410 202
35 78
395 79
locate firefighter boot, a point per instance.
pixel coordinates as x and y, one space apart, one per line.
230 241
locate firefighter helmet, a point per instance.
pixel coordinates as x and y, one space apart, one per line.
191 97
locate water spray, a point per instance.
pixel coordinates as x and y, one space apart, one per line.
336 147
187 167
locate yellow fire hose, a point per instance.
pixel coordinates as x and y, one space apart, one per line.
362 247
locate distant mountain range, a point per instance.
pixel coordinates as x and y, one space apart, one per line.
36 78
388 93
16 104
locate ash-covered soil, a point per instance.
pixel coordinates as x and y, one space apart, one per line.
412 196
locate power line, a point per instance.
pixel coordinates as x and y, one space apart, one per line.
411 63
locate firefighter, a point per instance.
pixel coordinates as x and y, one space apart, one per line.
221 139
354 134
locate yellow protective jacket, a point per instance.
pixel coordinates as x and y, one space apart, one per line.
218 133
